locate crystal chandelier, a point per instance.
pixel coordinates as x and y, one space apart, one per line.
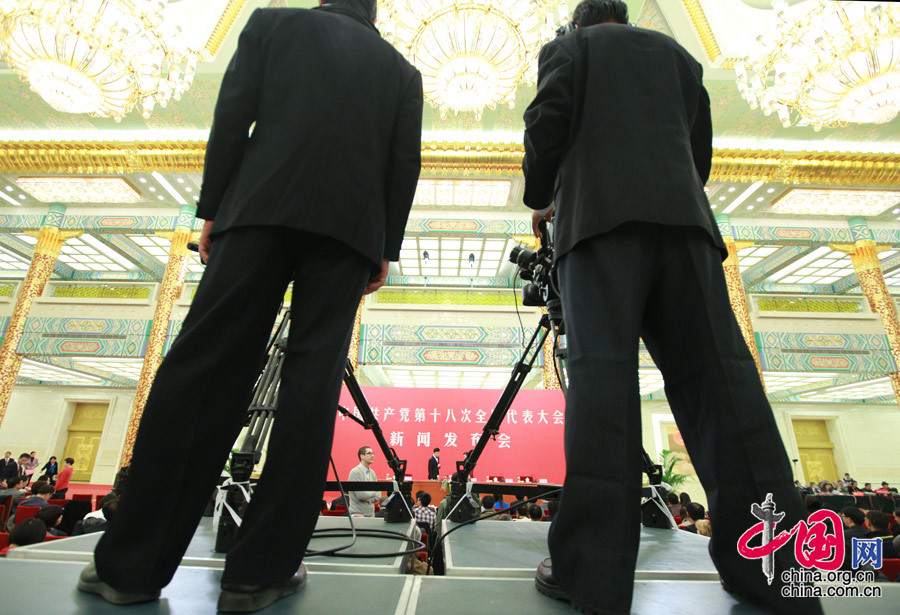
837 64
101 57
472 53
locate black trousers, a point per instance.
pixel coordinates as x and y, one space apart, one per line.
665 284
199 400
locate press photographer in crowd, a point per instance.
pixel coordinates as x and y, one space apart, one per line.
618 147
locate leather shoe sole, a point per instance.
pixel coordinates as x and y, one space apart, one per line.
91 583
250 598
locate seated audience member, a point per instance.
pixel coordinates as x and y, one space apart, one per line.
36 485
812 504
62 481
40 500
854 522
340 500
14 487
867 488
704 528
695 512
684 499
674 506
94 518
552 508
29 532
853 487
51 516
109 512
885 488
443 509
487 506
423 512
535 512
877 523
829 489
499 504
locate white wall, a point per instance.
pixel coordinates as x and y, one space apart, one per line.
865 439
38 417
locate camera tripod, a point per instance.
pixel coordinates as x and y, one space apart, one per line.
463 507
260 417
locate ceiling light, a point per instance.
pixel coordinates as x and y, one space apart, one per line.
770 190
759 199
838 63
180 180
731 189
80 189
9 188
722 198
101 58
826 202
471 54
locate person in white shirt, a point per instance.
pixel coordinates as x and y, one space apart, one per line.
363 502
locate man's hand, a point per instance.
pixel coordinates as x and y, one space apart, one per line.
536 218
205 243
379 280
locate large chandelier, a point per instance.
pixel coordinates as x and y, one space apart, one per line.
472 53
838 64
101 57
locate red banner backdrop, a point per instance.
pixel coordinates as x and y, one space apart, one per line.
415 421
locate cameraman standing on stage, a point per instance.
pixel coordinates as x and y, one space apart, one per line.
619 138
318 194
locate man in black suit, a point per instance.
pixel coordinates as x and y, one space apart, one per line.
8 466
434 465
318 194
619 139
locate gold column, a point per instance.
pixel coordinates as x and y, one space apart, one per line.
50 242
864 255
169 292
551 382
739 298
353 353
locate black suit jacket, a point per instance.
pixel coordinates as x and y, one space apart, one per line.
619 131
434 467
9 469
336 146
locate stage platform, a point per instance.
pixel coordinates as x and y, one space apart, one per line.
489 574
201 551
514 549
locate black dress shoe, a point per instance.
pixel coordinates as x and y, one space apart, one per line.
91 583
546 584
250 598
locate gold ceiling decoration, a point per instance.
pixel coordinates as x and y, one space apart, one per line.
472 53
101 57
874 170
838 63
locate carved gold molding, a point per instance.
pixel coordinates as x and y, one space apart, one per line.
225 22
451 159
704 31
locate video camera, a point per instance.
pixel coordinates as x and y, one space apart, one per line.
536 267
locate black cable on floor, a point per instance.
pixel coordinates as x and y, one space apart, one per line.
354 533
441 538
